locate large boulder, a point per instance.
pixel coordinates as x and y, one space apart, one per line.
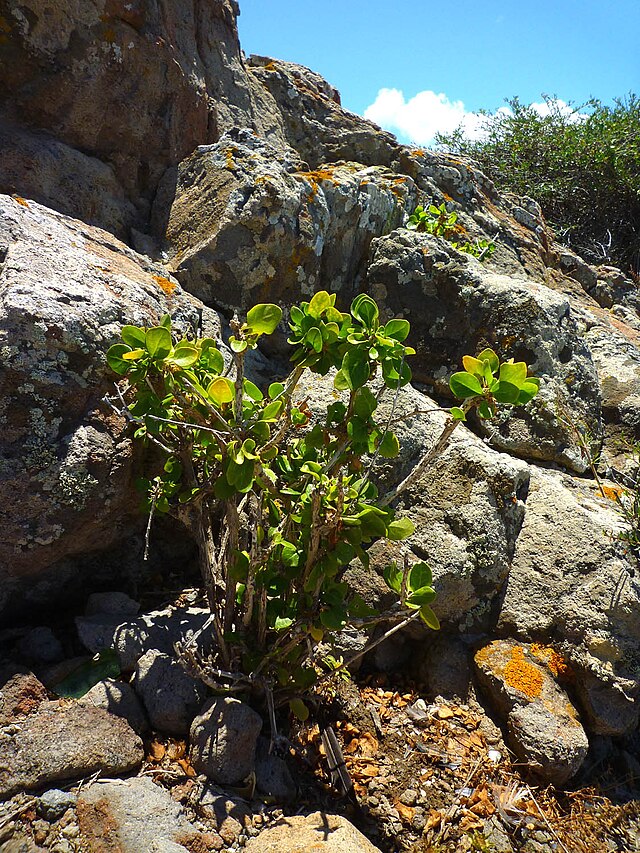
573 581
66 485
457 306
135 84
249 224
315 123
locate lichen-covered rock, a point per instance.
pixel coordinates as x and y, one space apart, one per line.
543 726
456 306
65 741
172 74
573 580
248 223
66 485
314 122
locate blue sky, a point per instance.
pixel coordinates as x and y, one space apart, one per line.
413 67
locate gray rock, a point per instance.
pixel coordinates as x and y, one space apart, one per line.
53 803
40 646
572 579
171 697
134 815
445 665
273 777
229 816
159 629
544 729
67 483
457 306
66 741
315 124
318 831
111 603
39 167
71 74
223 739
120 699
247 216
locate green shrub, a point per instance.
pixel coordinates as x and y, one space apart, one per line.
582 166
442 223
280 503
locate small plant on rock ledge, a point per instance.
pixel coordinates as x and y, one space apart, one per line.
280 503
442 223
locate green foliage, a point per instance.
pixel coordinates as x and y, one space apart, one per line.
442 223
231 449
277 497
581 165
485 382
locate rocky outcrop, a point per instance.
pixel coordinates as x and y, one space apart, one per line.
66 477
134 85
248 223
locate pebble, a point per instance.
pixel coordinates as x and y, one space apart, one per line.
54 803
409 797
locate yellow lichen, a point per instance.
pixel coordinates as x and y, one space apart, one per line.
614 493
167 286
522 675
21 201
229 152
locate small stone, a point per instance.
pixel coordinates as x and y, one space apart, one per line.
409 797
40 646
113 603
273 778
120 699
54 803
319 831
171 697
71 831
223 740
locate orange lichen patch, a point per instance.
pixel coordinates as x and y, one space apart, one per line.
551 658
269 67
523 676
168 287
417 152
315 177
21 201
614 493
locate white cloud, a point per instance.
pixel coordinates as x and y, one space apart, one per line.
427 113
421 117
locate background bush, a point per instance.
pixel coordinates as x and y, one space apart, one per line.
581 165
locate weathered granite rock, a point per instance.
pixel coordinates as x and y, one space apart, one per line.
223 739
171 697
65 478
318 831
118 698
314 122
229 816
134 815
172 75
467 509
65 741
249 224
39 167
573 581
456 306
158 630
543 726
53 803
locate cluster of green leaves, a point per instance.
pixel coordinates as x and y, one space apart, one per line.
485 383
275 581
442 223
582 165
